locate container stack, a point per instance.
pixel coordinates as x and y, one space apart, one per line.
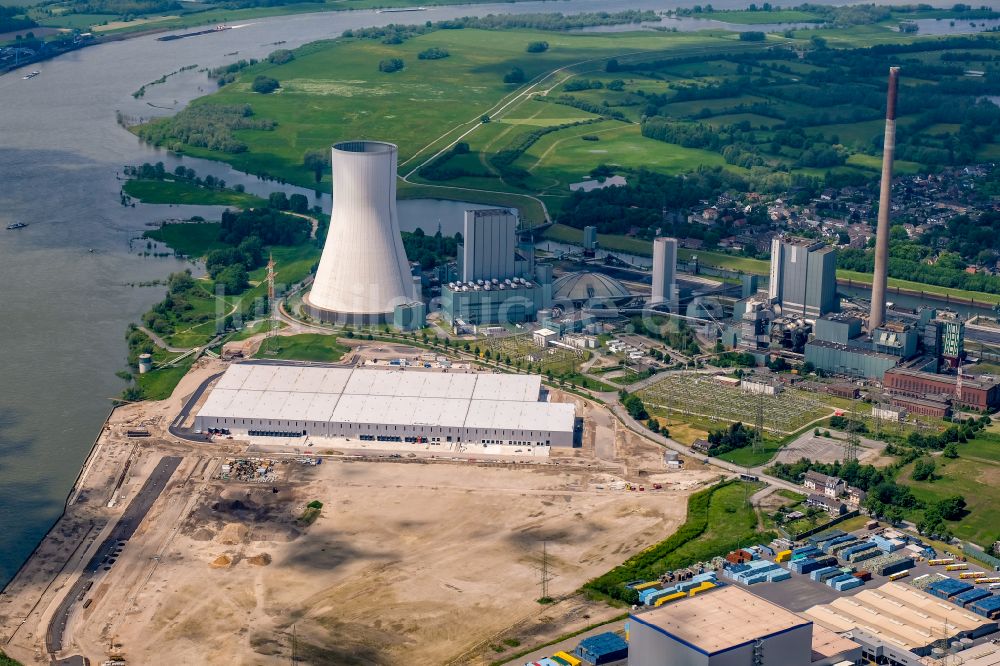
888 564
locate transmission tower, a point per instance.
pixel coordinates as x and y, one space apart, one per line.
544 574
758 438
853 441
272 307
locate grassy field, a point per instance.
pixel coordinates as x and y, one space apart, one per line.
305 347
180 192
975 475
192 239
760 17
749 458
160 383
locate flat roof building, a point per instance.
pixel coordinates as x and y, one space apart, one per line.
900 617
729 626
385 405
978 393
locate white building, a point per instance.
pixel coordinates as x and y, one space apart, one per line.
757 385
368 404
543 336
664 270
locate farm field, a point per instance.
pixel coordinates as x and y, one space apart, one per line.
975 475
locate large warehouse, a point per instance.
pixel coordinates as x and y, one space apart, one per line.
385 405
897 621
729 626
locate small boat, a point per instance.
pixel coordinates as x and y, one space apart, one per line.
16 225
31 76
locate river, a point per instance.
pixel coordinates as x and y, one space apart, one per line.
66 294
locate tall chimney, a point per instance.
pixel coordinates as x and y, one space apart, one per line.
877 317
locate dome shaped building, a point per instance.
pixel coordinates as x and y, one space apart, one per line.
588 289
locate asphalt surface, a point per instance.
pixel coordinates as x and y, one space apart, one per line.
175 428
126 526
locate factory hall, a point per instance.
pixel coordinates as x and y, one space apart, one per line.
372 405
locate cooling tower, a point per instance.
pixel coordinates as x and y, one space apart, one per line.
363 273
881 276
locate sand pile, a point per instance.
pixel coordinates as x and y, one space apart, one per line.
261 560
222 561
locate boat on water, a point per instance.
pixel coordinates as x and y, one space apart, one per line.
393 10
16 225
31 76
170 38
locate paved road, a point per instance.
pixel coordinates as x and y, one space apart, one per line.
123 530
175 428
680 448
161 343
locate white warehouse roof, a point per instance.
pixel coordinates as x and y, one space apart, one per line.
371 396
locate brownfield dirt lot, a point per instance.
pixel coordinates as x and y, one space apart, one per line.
409 563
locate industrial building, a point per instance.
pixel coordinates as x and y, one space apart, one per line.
664 272
367 404
499 282
590 290
897 621
976 393
488 245
803 278
728 626
363 273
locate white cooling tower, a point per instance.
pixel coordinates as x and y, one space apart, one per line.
363 273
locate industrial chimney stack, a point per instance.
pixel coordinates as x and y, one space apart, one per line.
877 317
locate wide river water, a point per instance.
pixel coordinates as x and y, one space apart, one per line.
65 280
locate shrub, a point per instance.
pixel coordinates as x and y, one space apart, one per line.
390 65
752 36
538 47
515 75
265 85
433 53
280 57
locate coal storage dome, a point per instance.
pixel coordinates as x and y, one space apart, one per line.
589 287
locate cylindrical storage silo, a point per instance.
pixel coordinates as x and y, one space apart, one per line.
145 363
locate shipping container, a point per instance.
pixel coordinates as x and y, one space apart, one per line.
956 567
863 575
667 598
972 574
645 586
568 658
602 649
783 556
899 574
940 561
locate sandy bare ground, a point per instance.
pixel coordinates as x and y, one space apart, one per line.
409 563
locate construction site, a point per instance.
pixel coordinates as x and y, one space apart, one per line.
210 551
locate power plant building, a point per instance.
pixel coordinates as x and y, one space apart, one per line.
277 400
803 277
664 271
499 282
363 273
488 245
